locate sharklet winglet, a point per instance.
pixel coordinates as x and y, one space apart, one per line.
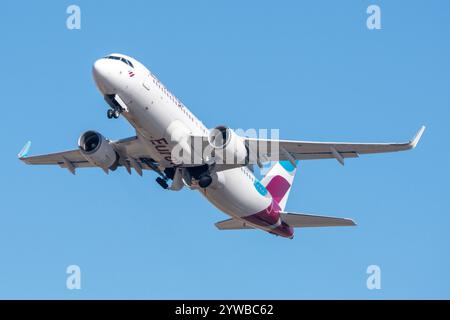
24 152
413 143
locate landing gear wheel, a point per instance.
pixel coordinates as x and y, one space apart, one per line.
116 114
204 181
110 113
162 183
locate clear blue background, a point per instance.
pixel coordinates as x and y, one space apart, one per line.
310 68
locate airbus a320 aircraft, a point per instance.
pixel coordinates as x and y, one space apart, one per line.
164 125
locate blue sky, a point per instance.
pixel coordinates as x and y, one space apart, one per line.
310 68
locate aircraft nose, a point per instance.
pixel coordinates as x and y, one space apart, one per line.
100 70
101 73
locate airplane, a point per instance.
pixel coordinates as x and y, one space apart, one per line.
164 126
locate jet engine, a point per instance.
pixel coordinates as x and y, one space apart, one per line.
228 147
217 180
98 150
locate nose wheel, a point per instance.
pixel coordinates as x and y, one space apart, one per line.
113 113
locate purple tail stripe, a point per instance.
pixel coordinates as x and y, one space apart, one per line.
278 187
269 217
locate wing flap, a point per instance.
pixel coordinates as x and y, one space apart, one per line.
303 220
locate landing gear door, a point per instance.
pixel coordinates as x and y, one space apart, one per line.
116 103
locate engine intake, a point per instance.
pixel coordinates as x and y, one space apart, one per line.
228 147
98 150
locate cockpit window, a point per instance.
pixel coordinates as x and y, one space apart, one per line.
112 57
126 61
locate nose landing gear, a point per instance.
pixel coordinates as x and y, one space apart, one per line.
113 113
117 106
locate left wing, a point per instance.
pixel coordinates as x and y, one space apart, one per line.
309 150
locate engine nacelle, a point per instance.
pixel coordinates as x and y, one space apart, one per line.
228 147
218 180
97 150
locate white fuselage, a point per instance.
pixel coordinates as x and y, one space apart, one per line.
157 115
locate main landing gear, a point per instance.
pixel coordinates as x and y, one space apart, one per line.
164 175
200 174
204 181
113 113
162 182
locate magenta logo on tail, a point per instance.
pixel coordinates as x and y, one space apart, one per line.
278 187
278 181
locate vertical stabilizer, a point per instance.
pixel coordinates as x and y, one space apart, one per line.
278 181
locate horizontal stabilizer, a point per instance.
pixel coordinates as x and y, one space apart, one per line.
301 220
232 224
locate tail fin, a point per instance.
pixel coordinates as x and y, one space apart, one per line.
278 181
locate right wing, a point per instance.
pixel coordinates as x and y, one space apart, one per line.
74 157
302 220
131 153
